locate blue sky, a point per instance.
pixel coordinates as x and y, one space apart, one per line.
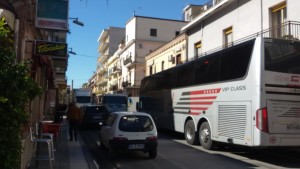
100 14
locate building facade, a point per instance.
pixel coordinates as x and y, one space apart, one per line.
143 35
226 21
109 41
167 56
48 69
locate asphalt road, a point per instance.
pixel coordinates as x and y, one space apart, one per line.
175 153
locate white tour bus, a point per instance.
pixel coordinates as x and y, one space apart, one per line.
248 94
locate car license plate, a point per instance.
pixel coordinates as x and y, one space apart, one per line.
136 146
97 117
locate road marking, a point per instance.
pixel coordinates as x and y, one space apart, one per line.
259 164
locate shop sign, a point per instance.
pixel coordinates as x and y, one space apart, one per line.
52 14
50 48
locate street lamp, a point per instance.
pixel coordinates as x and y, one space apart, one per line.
76 21
72 52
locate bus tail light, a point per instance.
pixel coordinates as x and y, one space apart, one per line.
262 120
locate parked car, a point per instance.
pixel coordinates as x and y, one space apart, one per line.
129 131
93 115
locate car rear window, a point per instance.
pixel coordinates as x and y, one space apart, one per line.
135 124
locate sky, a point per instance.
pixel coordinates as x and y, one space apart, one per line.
98 15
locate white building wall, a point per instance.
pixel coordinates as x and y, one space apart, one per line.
293 12
130 30
116 34
166 29
139 43
244 16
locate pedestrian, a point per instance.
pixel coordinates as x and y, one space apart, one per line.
74 117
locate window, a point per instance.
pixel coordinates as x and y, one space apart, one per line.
153 32
135 124
207 69
150 70
228 37
282 56
129 79
235 61
162 65
278 17
178 59
198 49
111 119
186 75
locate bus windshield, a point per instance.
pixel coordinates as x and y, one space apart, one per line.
83 99
282 56
114 100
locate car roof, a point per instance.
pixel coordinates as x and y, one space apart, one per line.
95 106
131 113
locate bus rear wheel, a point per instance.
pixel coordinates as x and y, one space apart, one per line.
205 136
190 134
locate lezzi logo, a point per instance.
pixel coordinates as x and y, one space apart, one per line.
195 102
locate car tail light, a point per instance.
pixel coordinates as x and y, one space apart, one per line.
151 138
262 120
120 138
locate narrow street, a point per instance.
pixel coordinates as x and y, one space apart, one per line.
173 152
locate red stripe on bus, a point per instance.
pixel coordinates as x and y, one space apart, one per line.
206 103
203 98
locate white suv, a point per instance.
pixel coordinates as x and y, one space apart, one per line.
129 131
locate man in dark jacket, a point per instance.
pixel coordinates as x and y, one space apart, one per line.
74 117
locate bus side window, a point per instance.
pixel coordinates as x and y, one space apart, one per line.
235 62
207 69
186 75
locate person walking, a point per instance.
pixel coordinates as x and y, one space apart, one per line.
74 117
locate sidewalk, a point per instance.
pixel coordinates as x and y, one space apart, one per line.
68 154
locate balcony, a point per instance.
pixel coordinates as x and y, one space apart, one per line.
287 30
116 69
125 84
127 61
113 88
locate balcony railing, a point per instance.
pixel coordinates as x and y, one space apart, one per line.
116 69
113 88
126 84
287 30
127 61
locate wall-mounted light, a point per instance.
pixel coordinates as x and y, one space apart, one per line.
77 22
